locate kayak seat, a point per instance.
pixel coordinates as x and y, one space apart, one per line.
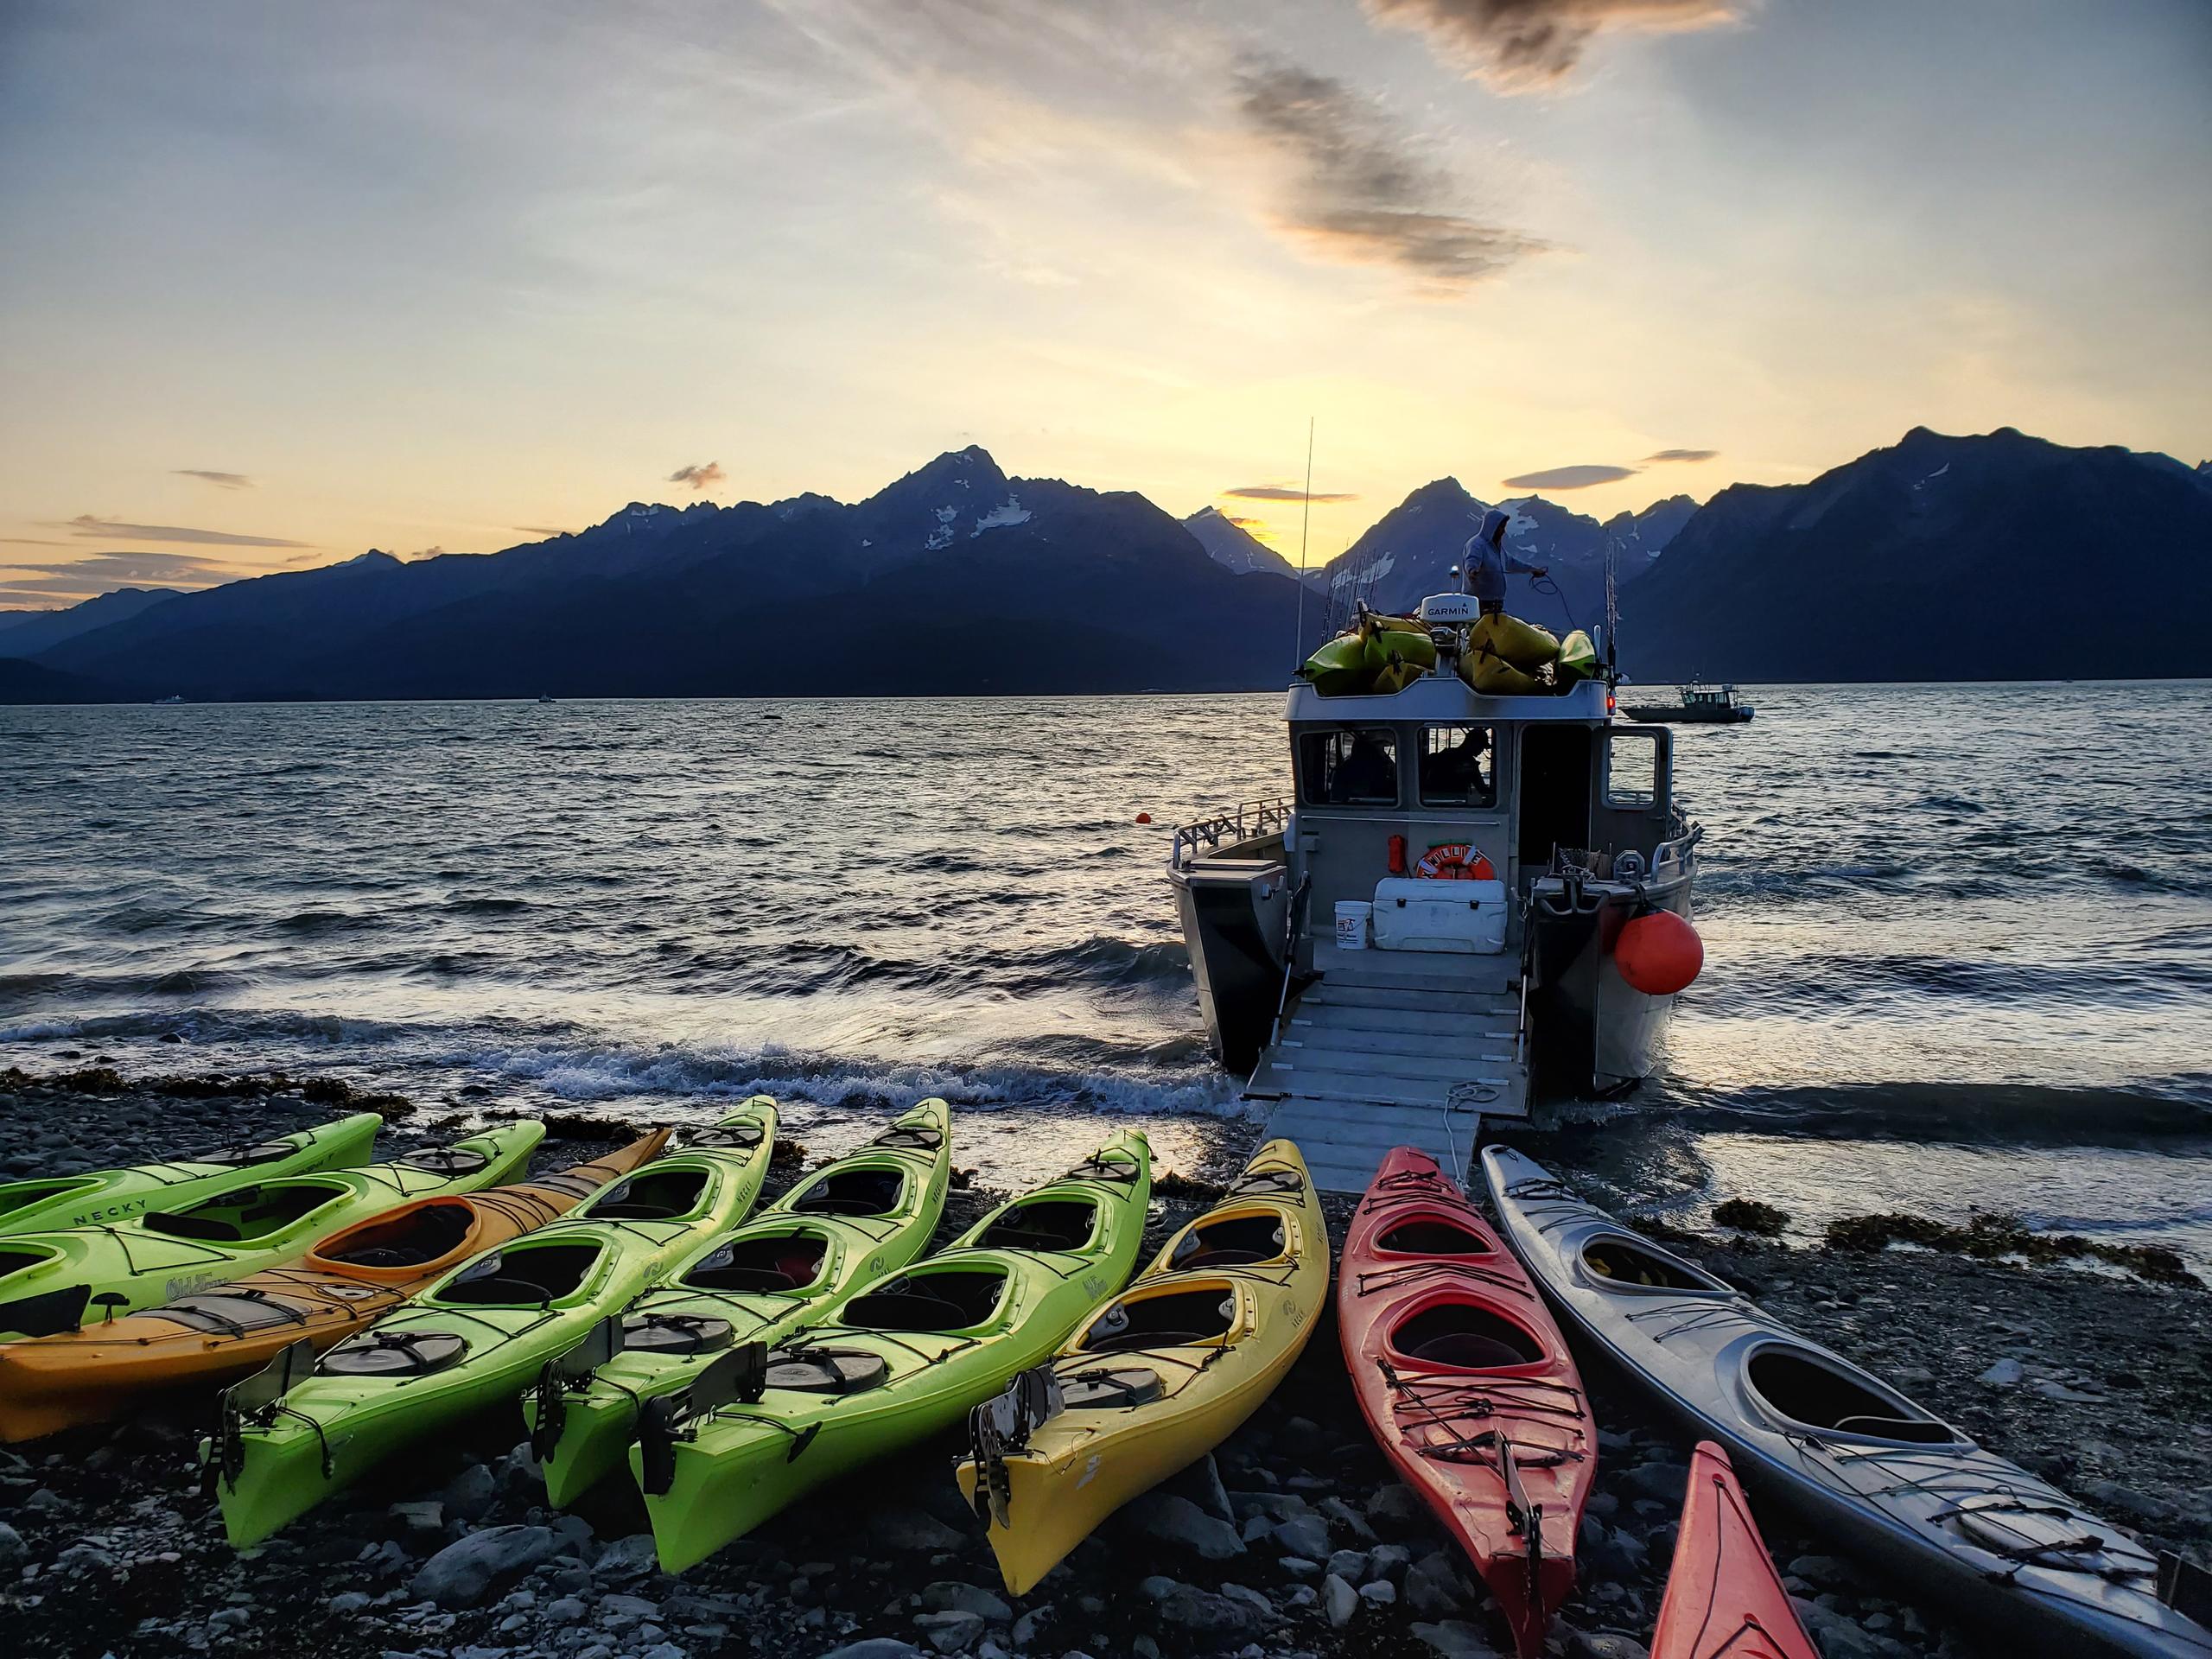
911 1140
785 1262
1105 1390
732 1137
1429 1236
1465 1337
1046 1225
240 1217
1630 1263
1175 1319
404 1240
1237 1242
1268 1183
526 1276
851 1192
266 1152
1807 1387
656 1195
952 1301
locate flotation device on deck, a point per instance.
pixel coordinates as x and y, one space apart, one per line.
1658 953
1454 861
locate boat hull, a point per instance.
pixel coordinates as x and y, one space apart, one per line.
1593 1032
1233 912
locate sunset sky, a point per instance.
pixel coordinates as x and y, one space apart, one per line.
282 282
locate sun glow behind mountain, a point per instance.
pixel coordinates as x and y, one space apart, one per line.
284 283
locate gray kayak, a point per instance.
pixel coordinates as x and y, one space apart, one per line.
1899 1487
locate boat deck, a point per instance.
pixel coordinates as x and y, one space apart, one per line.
1393 1048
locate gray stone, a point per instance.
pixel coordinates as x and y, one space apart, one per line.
1397 1508
875 1647
1605 1644
2004 1374
2129 1503
1389 1561
1276 1506
1825 1572
1381 1591
468 1495
14 1552
1840 1638
952 1595
1340 1600
1299 1566
950 1631
626 1558
1201 1611
347 1603
461 1574
1303 1535
1455 1639
85 1558
1349 1564
906 1528
1166 1518
1024 1633
1251 1598
1342 1513
1201 1483
663 1650
1664 1481
428 1515
1435 1587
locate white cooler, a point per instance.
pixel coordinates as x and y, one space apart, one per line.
1414 913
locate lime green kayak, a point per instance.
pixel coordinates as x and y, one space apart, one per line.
850 1222
53 1281
117 1194
905 1358
298 1431
1340 668
1578 659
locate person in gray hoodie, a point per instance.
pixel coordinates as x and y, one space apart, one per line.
1487 561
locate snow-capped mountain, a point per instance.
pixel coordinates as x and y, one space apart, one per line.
1231 546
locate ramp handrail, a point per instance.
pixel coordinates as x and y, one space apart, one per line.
1242 822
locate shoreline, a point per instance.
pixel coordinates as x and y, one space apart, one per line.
1291 1539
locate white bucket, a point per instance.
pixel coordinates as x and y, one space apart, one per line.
1353 916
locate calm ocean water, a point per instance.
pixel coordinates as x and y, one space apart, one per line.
1959 938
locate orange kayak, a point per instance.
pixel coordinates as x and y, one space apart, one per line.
350 1280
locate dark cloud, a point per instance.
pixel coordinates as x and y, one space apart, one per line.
1277 492
542 530
1534 42
85 527
220 480
1679 454
100 573
697 477
1361 193
1570 477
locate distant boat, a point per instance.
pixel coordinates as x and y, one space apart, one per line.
547 698
163 702
1695 705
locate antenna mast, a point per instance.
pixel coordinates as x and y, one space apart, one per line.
1305 520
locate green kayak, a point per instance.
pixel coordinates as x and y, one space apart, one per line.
114 1194
298 1430
905 1358
848 1223
51 1282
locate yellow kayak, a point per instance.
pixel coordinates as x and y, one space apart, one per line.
1524 644
1157 1378
1494 676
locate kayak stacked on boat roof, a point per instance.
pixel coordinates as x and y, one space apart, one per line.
345 1281
110 1195
1158 1377
300 1429
53 1281
1467 1386
905 1358
1498 655
1897 1485
850 1222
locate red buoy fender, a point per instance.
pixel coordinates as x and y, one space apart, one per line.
1658 953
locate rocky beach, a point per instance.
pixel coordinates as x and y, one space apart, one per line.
1293 1539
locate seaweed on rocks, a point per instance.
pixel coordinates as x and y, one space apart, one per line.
1749 1215
1992 1236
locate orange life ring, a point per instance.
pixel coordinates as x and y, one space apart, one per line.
1455 861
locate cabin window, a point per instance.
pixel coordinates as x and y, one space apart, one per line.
1352 765
1633 770
1456 766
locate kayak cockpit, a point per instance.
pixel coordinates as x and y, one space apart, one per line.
1462 1336
851 1192
777 1263
1053 1223
254 1213
17 1196
1615 1261
948 1299
414 1238
1232 1241
1429 1236
1185 1316
1817 1391
523 1274
653 1195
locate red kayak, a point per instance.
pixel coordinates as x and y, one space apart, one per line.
1723 1599
1467 1385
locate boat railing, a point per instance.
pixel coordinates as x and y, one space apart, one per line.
1246 821
1678 849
